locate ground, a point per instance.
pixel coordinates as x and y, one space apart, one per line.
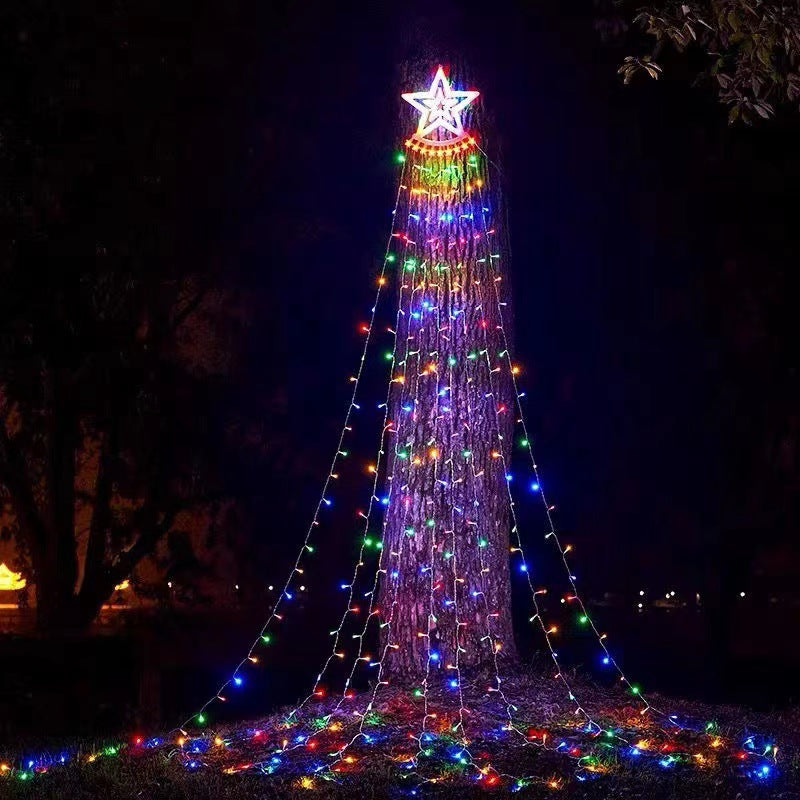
713 753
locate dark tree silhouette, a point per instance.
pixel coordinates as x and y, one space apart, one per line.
748 52
113 344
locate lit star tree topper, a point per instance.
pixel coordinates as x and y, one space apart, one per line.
441 107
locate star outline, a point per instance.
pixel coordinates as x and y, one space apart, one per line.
440 107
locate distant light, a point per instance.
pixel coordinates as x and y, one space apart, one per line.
641 592
271 588
534 487
606 660
741 594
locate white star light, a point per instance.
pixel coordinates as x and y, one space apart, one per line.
441 107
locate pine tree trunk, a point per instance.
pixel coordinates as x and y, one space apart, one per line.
445 598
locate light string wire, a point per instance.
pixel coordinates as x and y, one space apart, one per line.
472 382
432 584
490 637
360 559
515 526
390 482
454 557
372 594
671 719
340 753
552 533
465 756
306 547
409 337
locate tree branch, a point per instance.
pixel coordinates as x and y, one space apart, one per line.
14 477
101 513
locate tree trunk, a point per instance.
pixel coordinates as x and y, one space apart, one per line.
445 598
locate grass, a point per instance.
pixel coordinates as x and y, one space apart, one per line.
708 760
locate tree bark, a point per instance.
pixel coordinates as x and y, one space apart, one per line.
445 598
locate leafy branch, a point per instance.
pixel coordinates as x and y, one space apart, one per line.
750 50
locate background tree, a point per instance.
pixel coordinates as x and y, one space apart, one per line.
117 335
747 50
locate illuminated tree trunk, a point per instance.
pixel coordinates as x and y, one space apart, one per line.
445 597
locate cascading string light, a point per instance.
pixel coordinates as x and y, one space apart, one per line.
382 550
424 737
340 753
454 564
490 638
464 756
498 454
395 574
431 616
199 717
363 543
552 533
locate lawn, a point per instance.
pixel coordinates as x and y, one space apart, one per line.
691 752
